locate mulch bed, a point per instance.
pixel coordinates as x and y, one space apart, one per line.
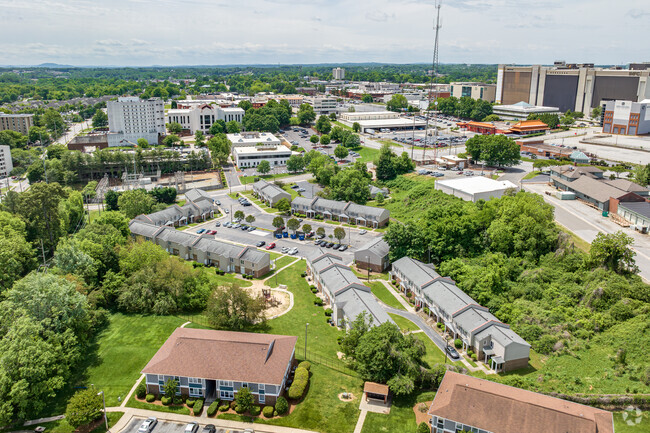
422 416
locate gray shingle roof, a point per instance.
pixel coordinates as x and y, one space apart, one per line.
447 295
333 206
502 334
626 185
595 189
642 208
377 246
254 256
336 278
472 317
141 228
301 201
418 272
196 194
172 213
270 190
353 302
169 234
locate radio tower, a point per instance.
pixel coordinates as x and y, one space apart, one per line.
434 72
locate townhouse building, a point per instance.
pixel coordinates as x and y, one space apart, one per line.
269 193
346 212
373 255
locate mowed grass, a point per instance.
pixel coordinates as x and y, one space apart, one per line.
245 180
384 295
401 417
62 426
223 280
284 261
631 422
367 154
404 324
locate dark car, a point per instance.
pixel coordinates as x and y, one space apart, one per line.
336 246
260 244
209 428
329 245
453 354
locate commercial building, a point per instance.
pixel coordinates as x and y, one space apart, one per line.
201 117
475 188
338 73
494 342
322 104
253 139
269 193
215 365
346 212
468 404
294 100
529 127
570 86
342 290
637 213
373 255
251 156
376 120
6 164
521 110
16 122
132 118
484 128
486 92
540 148
627 117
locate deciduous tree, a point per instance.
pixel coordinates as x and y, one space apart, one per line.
264 166
233 308
84 407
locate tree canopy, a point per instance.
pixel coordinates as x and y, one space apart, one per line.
494 150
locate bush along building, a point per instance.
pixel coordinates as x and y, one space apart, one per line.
494 342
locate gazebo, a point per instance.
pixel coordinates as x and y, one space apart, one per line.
375 391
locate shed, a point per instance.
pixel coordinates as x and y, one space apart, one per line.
375 391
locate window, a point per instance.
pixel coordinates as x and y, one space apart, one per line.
244 385
196 392
262 397
225 383
195 380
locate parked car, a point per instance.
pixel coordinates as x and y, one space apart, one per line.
270 246
336 246
321 236
329 245
469 173
217 224
244 227
191 427
218 203
453 354
260 244
236 226
343 247
293 251
212 232
284 249
363 232
227 211
295 186
148 424
201 231
209 428
251 228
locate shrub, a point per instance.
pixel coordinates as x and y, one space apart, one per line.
301 373
426 310
303 275
268 412
314 290
305 364
233 404
458 343
141 391
312 287
150 398
212 409
318 301
190 401
166 401
239 409
439 325
224 407
255 410
178 400
328 312
470 352
281 406
423 427
473 356
297 389
198 407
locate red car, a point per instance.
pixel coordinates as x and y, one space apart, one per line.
211 232
270 246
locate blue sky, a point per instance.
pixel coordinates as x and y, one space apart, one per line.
191 32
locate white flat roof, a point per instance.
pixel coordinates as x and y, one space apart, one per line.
253 138
476 185
387 123
248 150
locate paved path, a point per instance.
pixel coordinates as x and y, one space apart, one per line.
41 420
131 413
360 421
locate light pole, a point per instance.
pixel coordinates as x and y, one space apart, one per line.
368 266
104 402
306 325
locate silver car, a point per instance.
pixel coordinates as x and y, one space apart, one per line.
148 424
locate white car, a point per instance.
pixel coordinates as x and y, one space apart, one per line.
148 424
363 232
293 251
191 427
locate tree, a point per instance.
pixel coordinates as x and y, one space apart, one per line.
293 224
174 127
320 231
143 143
613 252
314 139
54 122
170 388
379 198
135 202
351 109
397 102
233 308
84 407
494 150
244 399
356 127
283 205
16 255
199 137
339 233
352 141
295 163
385 163
38 133
219 146
595 113
323 124
264 166
333 117
306 114
491 118
171 140
233 127
13 139
111 198
325 139
40 210
350 184
100 119
366 98
306 228
278 222
250 219
340 152
239 215
423 427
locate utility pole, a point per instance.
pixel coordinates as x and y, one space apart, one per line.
368 267
434 71
306 325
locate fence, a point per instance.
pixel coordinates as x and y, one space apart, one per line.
333 363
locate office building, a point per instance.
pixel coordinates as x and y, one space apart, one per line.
253 139
16 122
201 117
376 120
322 104
6 164
627 117
571 87
251 156
338 73
521 110
486 92
132 118
294 100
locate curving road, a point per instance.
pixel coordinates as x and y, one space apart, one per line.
433 335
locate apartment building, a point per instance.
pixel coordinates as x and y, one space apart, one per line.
16 122
627 117
338 73
6 164
322 104
201 117
346 212
132 118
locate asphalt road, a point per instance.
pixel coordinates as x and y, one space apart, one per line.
168 427
433 335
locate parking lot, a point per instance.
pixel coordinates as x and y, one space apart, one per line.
169 427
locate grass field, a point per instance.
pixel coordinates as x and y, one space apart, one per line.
531 175
367 154
220 280
284 261
382 293
401 417
631 422
342 125
245 180
404 324
62 426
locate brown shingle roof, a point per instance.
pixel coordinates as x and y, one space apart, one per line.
375 388
503 409
224 355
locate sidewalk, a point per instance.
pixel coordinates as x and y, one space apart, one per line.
131 414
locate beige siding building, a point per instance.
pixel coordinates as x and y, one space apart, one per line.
16 122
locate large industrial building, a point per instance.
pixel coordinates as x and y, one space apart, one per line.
131 118
627 117
571 87
376 120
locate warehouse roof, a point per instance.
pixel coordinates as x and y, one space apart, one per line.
477 185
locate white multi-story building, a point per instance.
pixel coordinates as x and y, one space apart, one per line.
131 118
486 92
294 100
6 165
322 104
253 139
251 156
338 73
201 117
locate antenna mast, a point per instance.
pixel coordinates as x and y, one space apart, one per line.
434 72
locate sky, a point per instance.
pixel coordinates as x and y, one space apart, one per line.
222 32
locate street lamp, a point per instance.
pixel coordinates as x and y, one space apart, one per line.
306 325
104 402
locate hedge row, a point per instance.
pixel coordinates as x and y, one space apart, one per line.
198 407
300 382
268 411
212 409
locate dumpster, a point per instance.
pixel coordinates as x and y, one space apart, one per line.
605 213
294 236
301 237
278 235
285 234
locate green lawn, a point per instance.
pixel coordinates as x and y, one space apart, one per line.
182 410
62 426
284 261
220 280
251 179
531 175
577 241
404 324
632 423
381 292
367 154
342 125
401 417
